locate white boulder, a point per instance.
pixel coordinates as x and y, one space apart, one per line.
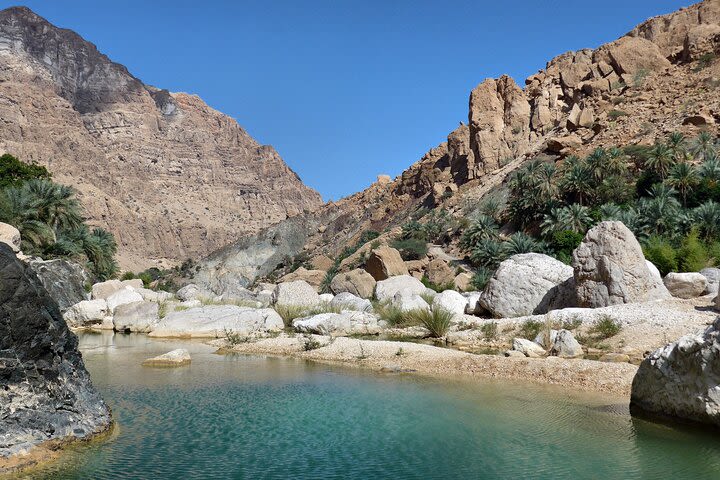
298 293
406 302
11 236
103 290
348 301
188 292
713 278
137 317
685 285
87 312
528 348
174 358
451 301
387 289
123 296
339 324
213 321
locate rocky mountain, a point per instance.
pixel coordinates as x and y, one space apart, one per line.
46 392
169 176
658 78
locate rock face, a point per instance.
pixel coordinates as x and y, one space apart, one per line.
681 379
385 262
47 393
178 179
527 284
685 285
358 282
610 269
215 320
65 281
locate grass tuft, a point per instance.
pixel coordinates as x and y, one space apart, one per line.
436 320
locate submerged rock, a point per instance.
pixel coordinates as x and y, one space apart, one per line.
174 358
46 393
682 379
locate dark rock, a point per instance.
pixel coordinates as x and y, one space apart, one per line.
45 391
64 281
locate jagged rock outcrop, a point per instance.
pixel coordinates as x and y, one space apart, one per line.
46 392
610 269
64 280
169 176
681 379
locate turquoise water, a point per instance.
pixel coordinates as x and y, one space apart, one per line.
250 417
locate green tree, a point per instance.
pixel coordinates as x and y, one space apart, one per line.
13 172
683 177
660 159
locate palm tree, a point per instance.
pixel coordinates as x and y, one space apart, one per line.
610 211
483 228
676 144
703 146
710 170
661 210
576 218
683 177
56 204
707 216
596 163
20 209
576 180
660 159
522 243
98 246
615 162
489 253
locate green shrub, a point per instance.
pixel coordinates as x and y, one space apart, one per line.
411 248
391 314
438 287
127 276
233 338
489 330
662 254
13 172
615 114
310 343
606 327
692 254
530 329
571 324
290 312
437 320
480 278
565 241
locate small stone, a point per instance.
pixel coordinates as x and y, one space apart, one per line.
174 358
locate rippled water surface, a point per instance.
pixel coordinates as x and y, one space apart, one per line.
255 417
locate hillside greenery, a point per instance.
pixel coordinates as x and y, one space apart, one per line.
49 218
668 194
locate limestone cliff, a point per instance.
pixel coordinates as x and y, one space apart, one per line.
45 391
168 175
659 78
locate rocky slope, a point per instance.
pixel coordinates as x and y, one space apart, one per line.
659 78
46 392
168 175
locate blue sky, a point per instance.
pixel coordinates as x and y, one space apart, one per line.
343 90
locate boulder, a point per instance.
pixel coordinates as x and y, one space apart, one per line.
406 302
348 301
46 393
138 317
451 301
681 379
654 272
174 358
463 282
86 312
103 290
188 292
473 306
527 284
123 296
565 345
64 280
313 277
528 348
135 283
298 293
326 297
610 269
712 275
358 282
339 324
685 285
214 321
387 289
321 262
439 272
385 262
11 236
153 295
632 55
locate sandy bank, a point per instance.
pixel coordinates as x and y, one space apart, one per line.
388 356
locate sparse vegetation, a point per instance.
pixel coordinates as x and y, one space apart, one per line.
310 343
530 329
234 338
290 312
572 324
437 320
615 114
605 327
489 330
